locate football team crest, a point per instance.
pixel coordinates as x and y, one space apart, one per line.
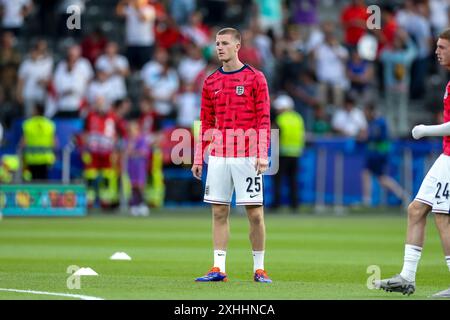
239 90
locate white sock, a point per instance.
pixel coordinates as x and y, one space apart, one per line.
412 257
219 259
258 260
447 258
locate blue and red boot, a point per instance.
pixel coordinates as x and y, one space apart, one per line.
213 275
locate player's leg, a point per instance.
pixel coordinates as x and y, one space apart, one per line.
367 187
443 226
431 196
405 281
249 192
257 235
218 192
392 185
221 233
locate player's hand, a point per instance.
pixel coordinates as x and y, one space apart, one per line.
261 165
197 171
418 131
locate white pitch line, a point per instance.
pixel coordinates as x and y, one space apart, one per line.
79 296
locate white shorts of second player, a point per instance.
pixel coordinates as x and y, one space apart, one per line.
435 188
226 174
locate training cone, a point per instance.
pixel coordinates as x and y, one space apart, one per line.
120 256
85 272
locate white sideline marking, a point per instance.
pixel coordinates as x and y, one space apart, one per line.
79 296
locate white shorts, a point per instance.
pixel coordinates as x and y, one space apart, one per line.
435 188
227 174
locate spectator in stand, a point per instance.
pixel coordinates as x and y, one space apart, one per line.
100 87
438 16
181 10
305 13
93 45
422 36
304 91
70 81
161 87
354 19
152 68
140 38
137 150
349 121
35 74
187 104
192 64
397 62
249 53
330 61
270 15
167 34
361 75
264 44
13 14
196 31
321 124
116 68
10 59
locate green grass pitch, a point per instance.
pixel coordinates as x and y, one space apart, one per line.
308 256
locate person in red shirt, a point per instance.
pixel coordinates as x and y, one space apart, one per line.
94 45
354 19
433 195
235 128
101 135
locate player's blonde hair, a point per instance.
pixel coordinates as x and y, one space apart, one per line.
445 34
231 31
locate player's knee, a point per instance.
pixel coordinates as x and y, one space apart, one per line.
256 218
416 211
220 215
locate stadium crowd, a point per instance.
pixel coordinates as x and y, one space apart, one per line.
149 82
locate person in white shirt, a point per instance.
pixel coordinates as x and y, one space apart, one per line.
330 60
162 89
70 80
187 104
34 76
116 68
349 121
152 68
140 38
100 86
13 13
191 64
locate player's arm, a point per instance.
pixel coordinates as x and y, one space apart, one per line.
207 122
439 130
263 124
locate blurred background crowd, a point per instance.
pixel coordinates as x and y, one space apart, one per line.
133 72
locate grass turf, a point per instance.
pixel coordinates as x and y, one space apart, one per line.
307 256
